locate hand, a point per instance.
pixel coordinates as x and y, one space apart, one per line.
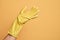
26 15
23 17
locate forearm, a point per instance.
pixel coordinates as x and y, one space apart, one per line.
9 37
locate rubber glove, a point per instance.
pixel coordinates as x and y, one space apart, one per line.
24 16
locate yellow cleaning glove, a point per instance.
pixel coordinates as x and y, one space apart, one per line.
21 19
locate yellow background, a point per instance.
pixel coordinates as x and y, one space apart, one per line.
45 27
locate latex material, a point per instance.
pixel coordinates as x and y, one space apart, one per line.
22 18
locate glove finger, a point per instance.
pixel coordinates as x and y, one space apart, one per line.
23 9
